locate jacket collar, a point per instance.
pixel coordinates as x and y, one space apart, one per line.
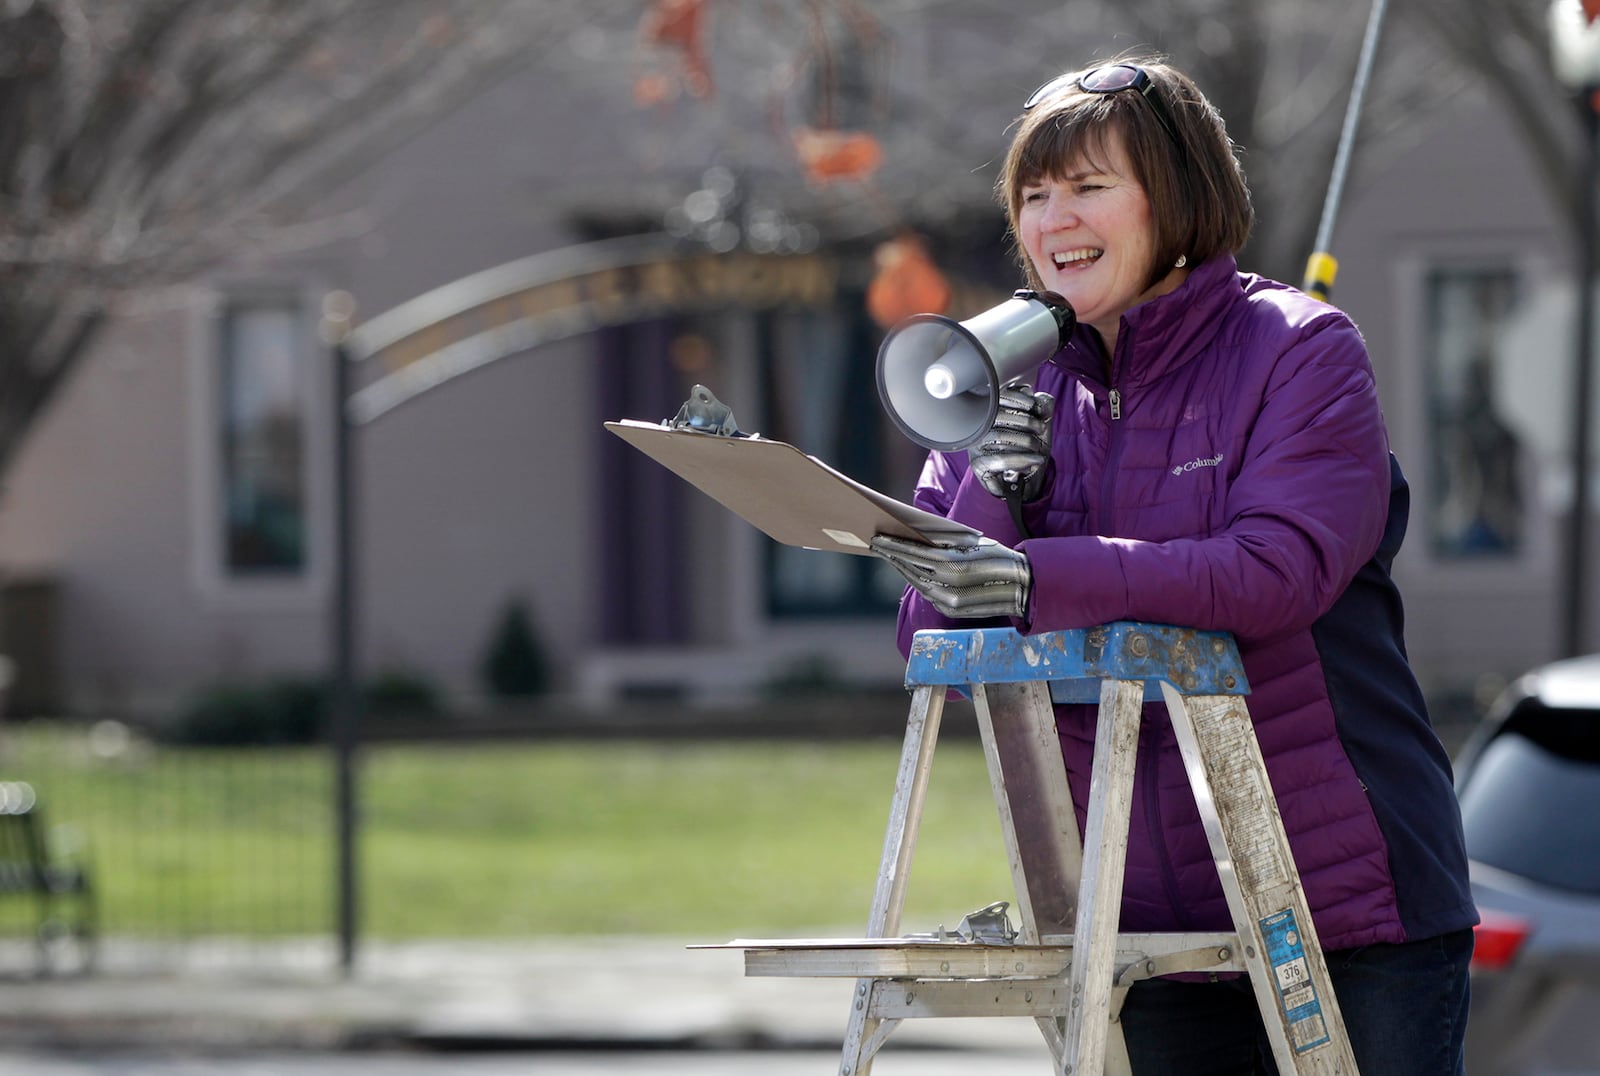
1163 334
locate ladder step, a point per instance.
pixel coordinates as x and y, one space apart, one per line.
1195 662
913 958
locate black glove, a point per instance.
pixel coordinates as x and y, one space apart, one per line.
984 580
1012 458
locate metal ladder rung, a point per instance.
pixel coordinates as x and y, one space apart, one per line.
910 958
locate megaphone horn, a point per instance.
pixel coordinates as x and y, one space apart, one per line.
940 379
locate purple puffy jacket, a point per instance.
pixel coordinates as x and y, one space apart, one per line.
1233 473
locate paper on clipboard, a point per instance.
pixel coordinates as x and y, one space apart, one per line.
795 498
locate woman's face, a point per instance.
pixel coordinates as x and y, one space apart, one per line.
1091 236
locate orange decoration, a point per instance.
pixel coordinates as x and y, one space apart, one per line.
836 155
681 25
652 89
907 282
1591 10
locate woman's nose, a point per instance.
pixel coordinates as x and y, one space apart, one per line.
1058 214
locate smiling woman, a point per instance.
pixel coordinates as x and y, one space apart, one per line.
1208 450
1171 169
1088 235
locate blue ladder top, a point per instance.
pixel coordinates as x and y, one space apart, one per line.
1075 661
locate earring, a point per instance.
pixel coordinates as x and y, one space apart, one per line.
1183 259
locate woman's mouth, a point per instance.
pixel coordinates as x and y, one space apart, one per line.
1081 256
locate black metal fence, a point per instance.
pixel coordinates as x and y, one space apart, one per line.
188 854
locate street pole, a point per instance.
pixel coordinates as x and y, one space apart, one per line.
1575 55
1322 266
1574 622
345 726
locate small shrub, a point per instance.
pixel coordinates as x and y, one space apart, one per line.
291 710
286 711
397 693
515 665
295 710
806 676
217 717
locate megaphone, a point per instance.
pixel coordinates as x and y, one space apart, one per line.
940 379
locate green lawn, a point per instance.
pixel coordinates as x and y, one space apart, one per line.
709 840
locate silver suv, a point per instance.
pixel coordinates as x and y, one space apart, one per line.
1529 784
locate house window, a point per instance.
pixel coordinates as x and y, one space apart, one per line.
263 412
819 395
1477 503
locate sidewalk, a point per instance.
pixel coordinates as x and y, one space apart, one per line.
544 994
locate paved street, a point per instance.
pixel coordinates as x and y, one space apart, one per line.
559 1063
556 1007
552 1007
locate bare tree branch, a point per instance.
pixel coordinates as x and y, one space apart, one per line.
148 139
1505 43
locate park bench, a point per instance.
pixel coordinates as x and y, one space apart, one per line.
59 889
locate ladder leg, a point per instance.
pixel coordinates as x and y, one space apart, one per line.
1029 780
899 844
1262 886
1104 857
1017 724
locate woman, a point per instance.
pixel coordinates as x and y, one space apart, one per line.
1209 451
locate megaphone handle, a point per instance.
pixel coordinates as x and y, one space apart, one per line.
1014 504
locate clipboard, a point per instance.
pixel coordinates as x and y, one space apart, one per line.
790 496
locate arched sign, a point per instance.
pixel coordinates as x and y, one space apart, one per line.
467 324
473 321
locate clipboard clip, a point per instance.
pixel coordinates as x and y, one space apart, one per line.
704 413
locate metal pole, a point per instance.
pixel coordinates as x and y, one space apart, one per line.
1322 267
345 726
1575 593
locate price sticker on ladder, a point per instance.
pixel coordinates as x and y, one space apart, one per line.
1302 1009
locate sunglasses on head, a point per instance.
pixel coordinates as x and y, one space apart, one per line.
1112 78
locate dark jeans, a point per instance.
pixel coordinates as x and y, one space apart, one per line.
1405 1007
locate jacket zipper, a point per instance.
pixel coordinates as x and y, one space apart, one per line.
1113 464
1114 448
1148 747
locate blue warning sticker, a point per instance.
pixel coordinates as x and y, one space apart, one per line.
1302 1009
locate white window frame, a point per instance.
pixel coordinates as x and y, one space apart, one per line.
309 586
1527 571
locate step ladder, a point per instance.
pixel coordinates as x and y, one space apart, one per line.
1066 965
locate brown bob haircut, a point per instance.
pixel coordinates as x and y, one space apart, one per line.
1198 198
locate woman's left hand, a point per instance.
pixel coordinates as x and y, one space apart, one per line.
1012 458
984 580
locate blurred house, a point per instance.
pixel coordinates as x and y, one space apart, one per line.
549 257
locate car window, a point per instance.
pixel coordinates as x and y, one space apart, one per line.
1569 731
1531 811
